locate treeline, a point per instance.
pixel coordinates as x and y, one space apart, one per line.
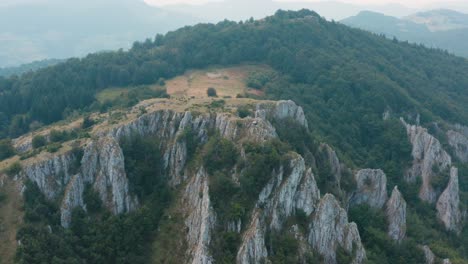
301 45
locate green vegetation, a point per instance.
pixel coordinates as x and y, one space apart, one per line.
39 141
258 79
211 92
143 164
379 247
6 149
13 169
339 73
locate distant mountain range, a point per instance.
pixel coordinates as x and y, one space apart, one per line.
60 29
444 29
24 68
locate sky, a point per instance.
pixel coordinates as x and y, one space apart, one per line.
409 3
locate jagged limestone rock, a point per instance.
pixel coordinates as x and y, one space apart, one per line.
252 249
73 198
103 167
371 188
281 110
279 199
330 230
427 153
428 254
336 168
200 220
459 142
50 173
103 161
448 205
396 216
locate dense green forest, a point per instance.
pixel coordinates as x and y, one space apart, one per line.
347 68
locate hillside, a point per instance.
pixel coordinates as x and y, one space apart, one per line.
130 158
443 29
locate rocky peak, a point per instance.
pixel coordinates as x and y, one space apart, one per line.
428 254
279 199
371 188
396 215
330 230
281 110
331 159
200 218
459 142
427 153
448 205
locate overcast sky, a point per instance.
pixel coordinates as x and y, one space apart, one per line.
409 3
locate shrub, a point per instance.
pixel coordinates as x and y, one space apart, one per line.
6 149
3 197
258 80
211 92
220 154
91 199
13 169
87 122
54 147
39 141
243 111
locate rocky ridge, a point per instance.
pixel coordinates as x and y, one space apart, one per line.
102 167
428 154
371 188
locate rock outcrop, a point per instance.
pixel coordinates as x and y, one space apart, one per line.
371 188
330 230
427 153
448 205
396 216
459 143
103 167
50 173
330 159
282 196
429 255
200 220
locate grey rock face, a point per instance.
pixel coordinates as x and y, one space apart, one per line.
396 216
330 229
103 161
371 188
51 174
430 257
459 142
201 218
448 205
336 168
282 196
427 153
102 166
281 110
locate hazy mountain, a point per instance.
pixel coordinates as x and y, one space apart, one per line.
33 66
59 29
244 9
444 29
440 20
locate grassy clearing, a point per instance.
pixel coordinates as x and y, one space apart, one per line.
228 82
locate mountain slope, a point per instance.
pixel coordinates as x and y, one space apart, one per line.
63 29
223 179
443 29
